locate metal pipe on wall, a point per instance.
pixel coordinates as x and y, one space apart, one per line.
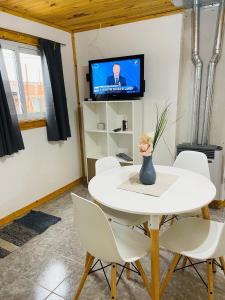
198 73
211 75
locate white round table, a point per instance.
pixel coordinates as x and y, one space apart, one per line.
191 191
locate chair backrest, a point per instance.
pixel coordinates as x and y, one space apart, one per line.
106 163
94 230
193 161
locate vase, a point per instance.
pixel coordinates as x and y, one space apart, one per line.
147 173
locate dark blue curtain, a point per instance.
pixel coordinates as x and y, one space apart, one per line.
10 136
58 127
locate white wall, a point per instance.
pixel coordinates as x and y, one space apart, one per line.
42 167
160 40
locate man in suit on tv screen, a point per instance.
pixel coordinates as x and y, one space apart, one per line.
116 79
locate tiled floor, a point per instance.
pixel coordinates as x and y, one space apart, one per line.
50 265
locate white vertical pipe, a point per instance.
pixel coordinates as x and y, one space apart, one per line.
198 72
211 75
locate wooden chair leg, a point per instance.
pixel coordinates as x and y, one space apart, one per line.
210 279
128 272
222 261
213 266
144 277
84 277
88 256
145 224
205 213
184 262
162 219
113 281
172 220
169 273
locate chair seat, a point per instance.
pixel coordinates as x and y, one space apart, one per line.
131 244
193 237
124 218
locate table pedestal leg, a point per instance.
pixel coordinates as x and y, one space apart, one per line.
205 213
155 264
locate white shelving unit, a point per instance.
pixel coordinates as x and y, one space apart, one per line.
100 143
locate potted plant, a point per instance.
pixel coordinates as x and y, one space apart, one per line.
147 146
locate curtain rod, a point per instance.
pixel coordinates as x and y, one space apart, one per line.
62 44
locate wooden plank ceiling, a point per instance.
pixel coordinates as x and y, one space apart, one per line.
81 15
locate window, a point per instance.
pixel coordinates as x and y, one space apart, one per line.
23 65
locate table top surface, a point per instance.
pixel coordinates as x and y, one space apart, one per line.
191 191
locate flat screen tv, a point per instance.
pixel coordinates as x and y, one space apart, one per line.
117 78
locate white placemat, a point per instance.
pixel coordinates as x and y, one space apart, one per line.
162 184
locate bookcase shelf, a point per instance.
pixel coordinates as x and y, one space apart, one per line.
116 112
94 113
96 131
119 143
96 144
121 132
106 142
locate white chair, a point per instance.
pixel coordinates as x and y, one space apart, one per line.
105 164
108 242
193 161
195 238
196 162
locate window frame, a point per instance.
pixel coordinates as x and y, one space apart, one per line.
29 49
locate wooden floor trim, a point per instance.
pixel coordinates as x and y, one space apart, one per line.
40 201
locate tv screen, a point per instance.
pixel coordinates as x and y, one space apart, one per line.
117 78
